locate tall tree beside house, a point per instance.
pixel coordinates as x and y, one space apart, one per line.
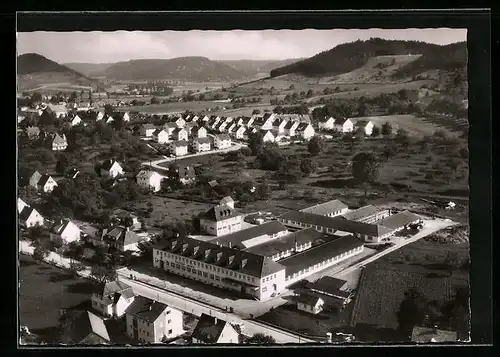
375 131
255 142
365 167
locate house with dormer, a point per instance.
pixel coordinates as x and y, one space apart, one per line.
113 299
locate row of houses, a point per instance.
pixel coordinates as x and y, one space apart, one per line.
345 125
53 140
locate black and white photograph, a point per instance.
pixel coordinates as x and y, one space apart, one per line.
243 187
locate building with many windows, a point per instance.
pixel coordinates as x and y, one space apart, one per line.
220 220
245 273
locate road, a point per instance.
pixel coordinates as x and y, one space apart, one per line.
197 308
156 164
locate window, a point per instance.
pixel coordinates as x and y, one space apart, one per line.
169 321
264 289
274 276
177 266
169 331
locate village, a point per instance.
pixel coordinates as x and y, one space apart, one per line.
150 277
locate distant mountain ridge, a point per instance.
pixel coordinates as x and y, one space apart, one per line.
89 69
347 57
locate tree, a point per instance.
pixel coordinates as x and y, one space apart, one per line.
315 145
307 166
402 137
255 142
365 167
270 157
36 97
412 311
108 109
362 110
47 118
309 93
255 111
375 131
386 129
40 252
261 339
63 164
103 273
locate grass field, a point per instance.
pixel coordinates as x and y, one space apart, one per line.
418 265
44 291
173 107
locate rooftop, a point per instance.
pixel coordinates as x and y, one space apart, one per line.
314 255
328 286
220 212
361 213
208 329
121 235
146 309
238 239
398 220
308 299
326 208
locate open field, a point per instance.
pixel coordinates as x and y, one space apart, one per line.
44 291
173 107
418 265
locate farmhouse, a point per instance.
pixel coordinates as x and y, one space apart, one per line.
220 220
121 238
366 214
326 123
222 141
46 183
179 148
365 125
59 143
113 299
179 134
329 209
29 217
212 330
253 236
343 125
227 268
66 230
111 168
147 129
290 128
310 304
150 321
336 225
287 244
148 179
199 132
305 131
315 259
202 144
160 136
267 136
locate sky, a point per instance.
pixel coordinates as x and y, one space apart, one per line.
107 47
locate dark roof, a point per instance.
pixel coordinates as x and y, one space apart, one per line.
327 285
43 180
196 128
230 258
177 131
302 126
340 121
146 309
325 208
336 223
122 236
86 328
148 126
361 213
312 256
106 165
399 220
208 329
361 123
223 137
259 121
112 291
59 227
220 213
203 140
286 242
26 213
237 239
430 334
290 124
180 143
267 116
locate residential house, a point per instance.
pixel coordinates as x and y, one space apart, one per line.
305 131
231 127
212 330
326 123
422 334
66 230
148 179
247 121
160 136
109 118
29 217
169 128
202 144
185 174
267 136
219 127
228 201
147 129
310 303
240 132
113 298
205 118
220 220
198 132
222 141
268 120
213 121
76 120
279 125
290 127
121 238
150 321
29 177
178 121
20 205
86 329
189 127
179 134
46 183
179 148
111 168
365 125
33 132
343 125
58 142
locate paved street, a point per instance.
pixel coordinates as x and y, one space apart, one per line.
156 164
